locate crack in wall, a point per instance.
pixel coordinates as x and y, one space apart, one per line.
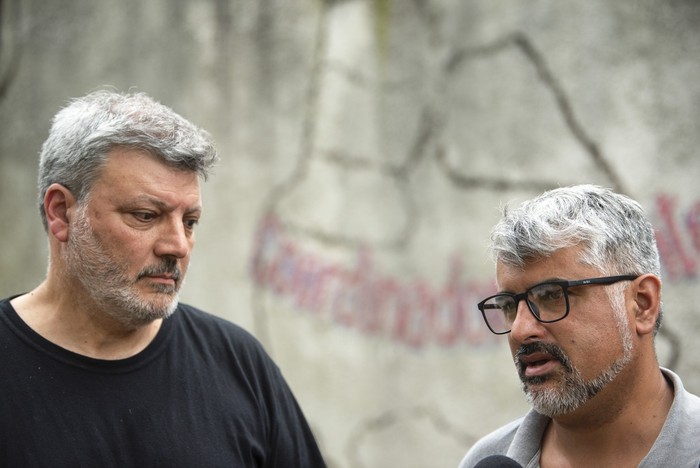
11 43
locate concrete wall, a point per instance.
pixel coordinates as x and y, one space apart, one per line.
366 146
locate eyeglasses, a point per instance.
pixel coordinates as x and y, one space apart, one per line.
548 302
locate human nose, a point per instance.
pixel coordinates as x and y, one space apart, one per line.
174 240
525 326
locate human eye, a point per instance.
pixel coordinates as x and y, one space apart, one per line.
190 223
509 312
506 305
547 293
143 216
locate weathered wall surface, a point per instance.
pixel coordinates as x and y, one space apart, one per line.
366 146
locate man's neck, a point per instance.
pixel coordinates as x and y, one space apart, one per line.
77 326
611 433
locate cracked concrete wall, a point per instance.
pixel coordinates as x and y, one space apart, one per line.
366 146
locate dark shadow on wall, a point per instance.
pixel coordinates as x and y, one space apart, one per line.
10 44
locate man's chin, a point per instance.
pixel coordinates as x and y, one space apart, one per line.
539 385
147 309
544 400
162 298
165 309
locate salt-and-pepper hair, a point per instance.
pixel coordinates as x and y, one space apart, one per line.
615 235
88 128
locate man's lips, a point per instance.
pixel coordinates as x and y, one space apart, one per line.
164 279
537 364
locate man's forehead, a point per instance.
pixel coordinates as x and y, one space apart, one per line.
141 163
561 260
140 175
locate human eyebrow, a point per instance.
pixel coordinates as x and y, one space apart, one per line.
555 279
140 201
160 204
195 210
533 285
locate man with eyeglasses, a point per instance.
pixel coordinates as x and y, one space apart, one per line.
579 300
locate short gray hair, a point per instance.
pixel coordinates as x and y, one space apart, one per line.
88 128
616 236
613 229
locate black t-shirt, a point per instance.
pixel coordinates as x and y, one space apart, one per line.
203 393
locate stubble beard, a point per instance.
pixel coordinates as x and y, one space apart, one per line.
108 283
571 390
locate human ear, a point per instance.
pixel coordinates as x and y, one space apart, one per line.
647 300
58 201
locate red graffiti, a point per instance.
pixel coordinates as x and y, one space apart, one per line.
679 252
359 297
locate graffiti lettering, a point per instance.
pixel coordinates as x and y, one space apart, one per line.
678 257
410 312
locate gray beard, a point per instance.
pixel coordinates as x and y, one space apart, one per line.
108 283
573 391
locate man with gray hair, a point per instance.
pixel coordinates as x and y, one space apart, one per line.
579 298
102 365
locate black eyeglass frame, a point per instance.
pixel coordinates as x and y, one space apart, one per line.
565 285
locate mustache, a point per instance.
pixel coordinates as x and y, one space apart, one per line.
538 347
167 267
